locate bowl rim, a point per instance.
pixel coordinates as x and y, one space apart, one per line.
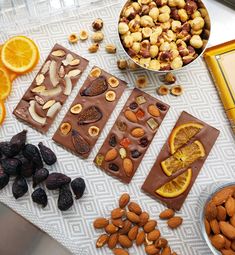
163 71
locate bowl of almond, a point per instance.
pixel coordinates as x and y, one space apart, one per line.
218 218
164 35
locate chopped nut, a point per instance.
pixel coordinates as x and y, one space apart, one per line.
76 109
110 48
97 24
48 104
73 38
110 96
122 64
54 109
40 79
83 35
75 62
38 89
58 53
65 128
95 72
39 100
98 36
93 48
177 90
170 78
113 82
163 90
142 81
73 73
93 131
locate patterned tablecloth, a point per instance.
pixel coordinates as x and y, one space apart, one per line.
74 227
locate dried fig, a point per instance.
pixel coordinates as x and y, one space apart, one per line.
31 152
18 141
27 167
113 140
40 176
96 87
89 115
57 180
78 186
65 200
19 187
7 149
39 196
4 178
48 155
80 144
11 166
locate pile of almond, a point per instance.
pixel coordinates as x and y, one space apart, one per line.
220 220
129 224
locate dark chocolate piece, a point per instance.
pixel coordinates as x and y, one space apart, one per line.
50 88
131 135
89 112
157 178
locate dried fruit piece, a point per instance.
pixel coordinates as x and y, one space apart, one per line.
57 180
48 155
122 64
162 90
113 82
124 200
4 179
122 126
76 109
7 149
125 142
110 96
19 187
140 114
89 115
122 153
137 132
152 123
135 208
39 196
102 240
65 128
78 186
80 144
99 159
111 155
177 90
27 167
153 110
18 141
133 106
142 81
166 214
100 223
170 78
65 200
93 131
83 35
150 226
95 72
97 24
73 38
113 140
58 53
174 222
11 166
135 154
96 87
39 176
143 142
110 48
113 167
131 116
140 100
161 106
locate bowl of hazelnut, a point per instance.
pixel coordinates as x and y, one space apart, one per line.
164 35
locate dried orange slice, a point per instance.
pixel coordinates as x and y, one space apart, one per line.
5 84
183 158
182 134
2 112
20 54
177 186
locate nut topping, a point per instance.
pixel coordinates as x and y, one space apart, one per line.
93 131
48 104
110 96
69 58
65 128
83 35
40 79
73 38
68 85
39 100
58 53
110 48
113 82
34 115
53 73
74 62
54 109
61 72
95 72
74 73
177 90
39 89
46 67
76 109
51 92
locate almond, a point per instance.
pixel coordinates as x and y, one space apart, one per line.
102 240
161 243
117 213
100 223
133 233
233 245
111 154
133 217
128 166
174 222
137 132
124 241
232 220
153 235
144 217
126 228
131 116
124 200
120 251
167 214
140 238
227 243
218 241
228 252
215 226
230 206
227 229
112 242
221 213
153 110
118 223
135 208
211 211
150 226
222 196
166 251
207 227
151 249
147 242
111 229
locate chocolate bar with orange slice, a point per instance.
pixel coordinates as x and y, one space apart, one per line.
180 161
51 87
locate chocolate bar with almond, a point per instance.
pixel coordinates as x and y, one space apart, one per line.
50 88
180 161
89 112
131 135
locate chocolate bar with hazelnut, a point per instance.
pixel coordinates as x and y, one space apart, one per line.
89 112
200 138
131 135
50 88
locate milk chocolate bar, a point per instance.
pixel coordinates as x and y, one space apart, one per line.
89 112
180 161
50 88
131 135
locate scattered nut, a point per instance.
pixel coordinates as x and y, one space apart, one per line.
170 78
110 48
113 82
65 128
122 64
163 90
142 81
97 24
83 35
177 90
95 72
93 131
73 38
98 36
93 48
132 65
110 96
76 109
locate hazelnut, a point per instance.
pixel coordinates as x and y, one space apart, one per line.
93 131
176 25
146 21
136 47
110 96
142 81
162 90
131 53
95 72
154 13
196 14
170 78
196 32
164 66
152 5
174 53
186 27
65 128
122 64
113 82
145 10
172 3
165 9
177 90
110 48
161 2
165 46
97 24
83 35
73 38
188 59
165 56
183 15
154 64
203 12
183 51
137 36
154 36
197 23
173 46
190 7
132 65
145 53
191 50
145 44
175 14
123 28
136 6
128 41
169 36
196 41
181 3
134 25
163 17
176 63
145 62
93 48
153 51
144 1
129 12
166 25
146 32
76 109
98 36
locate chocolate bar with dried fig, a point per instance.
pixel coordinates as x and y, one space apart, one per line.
50 88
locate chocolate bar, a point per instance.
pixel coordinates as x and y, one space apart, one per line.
50 88
89 112
131 135
180 161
